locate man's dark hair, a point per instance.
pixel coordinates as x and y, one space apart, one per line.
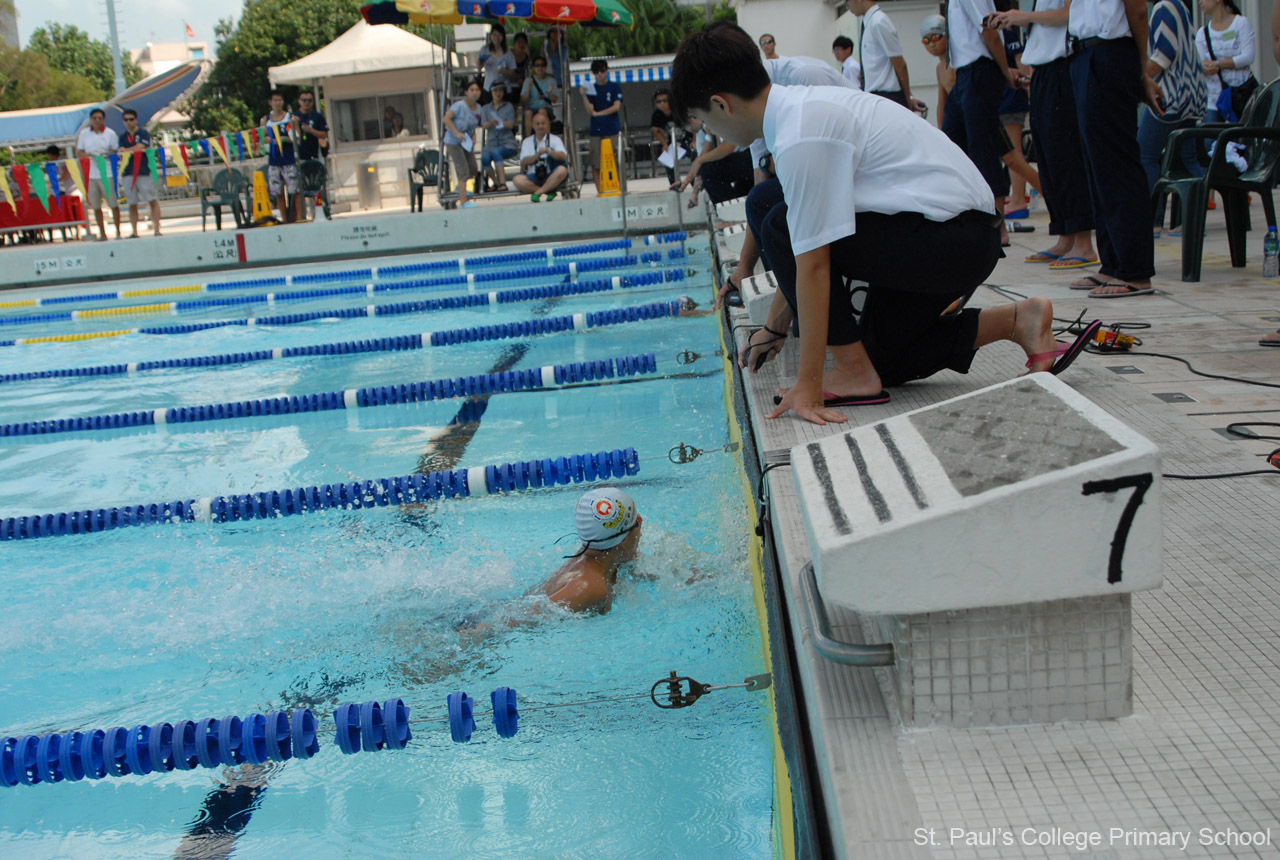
661 92
719 58
99 111
53 150
522 35
544 112
307 93
273 94
843 42
598 66
128 112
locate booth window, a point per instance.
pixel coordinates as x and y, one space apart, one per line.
373 117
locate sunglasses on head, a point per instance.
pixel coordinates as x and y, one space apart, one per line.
932 37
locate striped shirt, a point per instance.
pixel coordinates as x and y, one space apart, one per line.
1171 45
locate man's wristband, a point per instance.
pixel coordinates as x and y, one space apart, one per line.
774 333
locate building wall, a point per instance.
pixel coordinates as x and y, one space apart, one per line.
801 27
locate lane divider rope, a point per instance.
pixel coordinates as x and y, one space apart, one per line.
353 495
391 343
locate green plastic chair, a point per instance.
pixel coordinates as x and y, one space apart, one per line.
1259 132
425 171
228 189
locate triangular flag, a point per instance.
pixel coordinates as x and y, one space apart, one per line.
217 147
275 132
114 158
164 164
179 159
79 169
8 195
151 163
184 165
237 143
39 187
20 177
103 173
51 171
135 159
253 142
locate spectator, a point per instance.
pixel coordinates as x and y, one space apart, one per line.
72 205
461 120
915 190
136 173
540 92
557 53
842 48
1014 106
542 158
604 101
388 119
1109 82
661 123
397 126
884 71
93 141
1226 47
495 60
520 55
769 46
1173 61
313 131
1055 133
282 163
499 117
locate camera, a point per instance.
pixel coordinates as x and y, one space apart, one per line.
542 169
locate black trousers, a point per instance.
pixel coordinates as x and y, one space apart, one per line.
1106 80
730 177
892 95
972 121
915 269
1055 133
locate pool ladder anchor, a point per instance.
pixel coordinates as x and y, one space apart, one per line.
683 453
682 691
688 356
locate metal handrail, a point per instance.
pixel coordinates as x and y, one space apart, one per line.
835 650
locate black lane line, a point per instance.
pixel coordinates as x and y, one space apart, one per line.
828 489
878 504
904 468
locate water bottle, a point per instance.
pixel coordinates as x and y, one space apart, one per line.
1271 254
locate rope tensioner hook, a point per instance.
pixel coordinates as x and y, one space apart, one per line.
682 691
683 453
688 356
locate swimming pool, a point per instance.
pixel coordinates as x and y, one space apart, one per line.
193 620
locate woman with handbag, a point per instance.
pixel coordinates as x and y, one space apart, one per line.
539 93
1226 48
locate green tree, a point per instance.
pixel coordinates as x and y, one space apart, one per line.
269 33
28 81
69 49
660 25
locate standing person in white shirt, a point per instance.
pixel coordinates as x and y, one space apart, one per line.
884 71
96 140
842 50
1107 44
542 158
1055 135
872 192
972 118
1226 45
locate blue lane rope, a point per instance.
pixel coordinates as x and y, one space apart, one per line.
571 269
378 272
381 492
391 343
507 296
548 376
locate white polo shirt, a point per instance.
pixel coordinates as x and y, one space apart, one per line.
852 72
1102 18
879 46
964 31
93 143
1046 44
799 72
531 144
839 152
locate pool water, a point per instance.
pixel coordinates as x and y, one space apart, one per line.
194 620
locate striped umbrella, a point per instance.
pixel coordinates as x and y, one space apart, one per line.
609 13
421 12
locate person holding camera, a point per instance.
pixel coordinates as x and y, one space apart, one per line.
543 158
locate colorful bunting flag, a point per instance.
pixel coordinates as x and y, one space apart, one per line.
217 147
8 195
275 132
20 177
114 158
151 163
39 187
253 142
164 164
51 171
79 169
103 173
135 160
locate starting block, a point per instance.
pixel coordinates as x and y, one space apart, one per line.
732 210
733 237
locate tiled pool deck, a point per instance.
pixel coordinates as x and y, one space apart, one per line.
1199 759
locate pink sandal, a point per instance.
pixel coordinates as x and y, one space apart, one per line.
1066 353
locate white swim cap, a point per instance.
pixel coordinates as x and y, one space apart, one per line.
933 24
604 516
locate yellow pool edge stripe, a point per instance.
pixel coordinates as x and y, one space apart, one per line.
67 338
784 847
160 291
139 310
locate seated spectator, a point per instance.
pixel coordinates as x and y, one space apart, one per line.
540 92
499 117
543 159
460 121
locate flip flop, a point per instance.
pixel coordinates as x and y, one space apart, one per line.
1094 283
833 400
1067 352
1072 263
1017 214
1269 342
1130 290
1042 257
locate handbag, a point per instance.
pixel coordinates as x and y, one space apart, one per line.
1231 100
557 126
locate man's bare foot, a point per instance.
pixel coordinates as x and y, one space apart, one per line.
853 374
1033 331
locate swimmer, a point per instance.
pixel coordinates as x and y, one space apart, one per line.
609 527
690 308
